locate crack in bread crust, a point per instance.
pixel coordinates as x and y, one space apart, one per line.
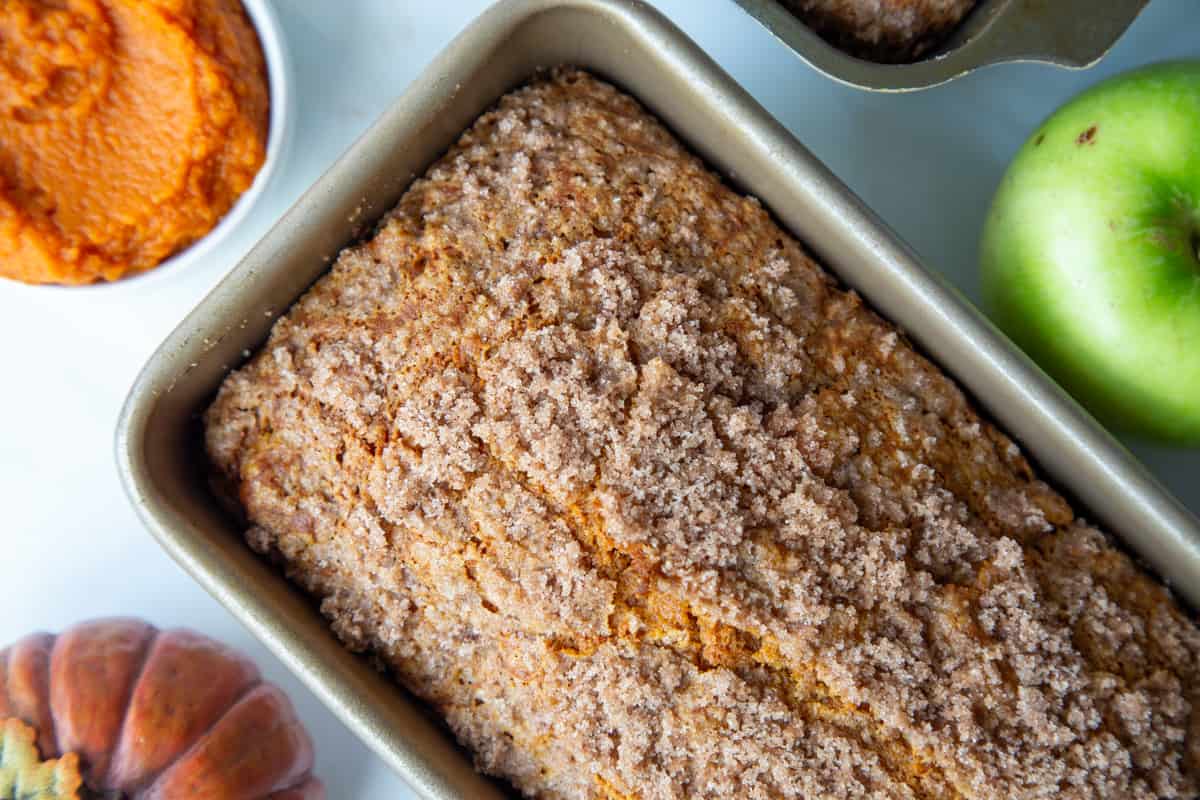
597 461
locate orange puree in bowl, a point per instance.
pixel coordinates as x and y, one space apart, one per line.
128 128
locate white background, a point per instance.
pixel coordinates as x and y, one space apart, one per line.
71 548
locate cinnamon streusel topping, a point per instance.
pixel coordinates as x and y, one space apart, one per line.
608 470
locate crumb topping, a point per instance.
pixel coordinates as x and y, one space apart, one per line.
889 31
599 462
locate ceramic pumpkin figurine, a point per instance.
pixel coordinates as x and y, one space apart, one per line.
142 714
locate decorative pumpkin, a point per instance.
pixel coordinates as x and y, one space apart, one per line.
150 715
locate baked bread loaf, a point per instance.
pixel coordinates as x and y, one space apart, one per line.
602 465
887 31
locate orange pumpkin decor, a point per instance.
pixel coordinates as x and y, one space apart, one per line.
152 715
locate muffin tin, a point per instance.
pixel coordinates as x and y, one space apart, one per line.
1068 33
159 441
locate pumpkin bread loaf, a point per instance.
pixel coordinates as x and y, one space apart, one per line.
888 31
602 465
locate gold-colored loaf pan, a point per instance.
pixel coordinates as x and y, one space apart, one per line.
159 440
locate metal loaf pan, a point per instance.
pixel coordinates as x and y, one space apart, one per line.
158 440
1067 33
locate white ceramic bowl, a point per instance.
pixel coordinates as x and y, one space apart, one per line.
279 136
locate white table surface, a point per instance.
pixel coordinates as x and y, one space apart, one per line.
71 547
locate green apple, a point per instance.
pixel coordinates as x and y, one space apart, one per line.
1091 250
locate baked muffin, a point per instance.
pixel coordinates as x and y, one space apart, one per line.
889 31
601 464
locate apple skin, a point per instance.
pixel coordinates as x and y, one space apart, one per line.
1091 251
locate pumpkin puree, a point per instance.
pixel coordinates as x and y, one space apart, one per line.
128 128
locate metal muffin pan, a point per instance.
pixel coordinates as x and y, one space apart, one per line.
1068 33
159 447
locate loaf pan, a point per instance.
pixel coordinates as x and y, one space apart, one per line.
159 445
1067 33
